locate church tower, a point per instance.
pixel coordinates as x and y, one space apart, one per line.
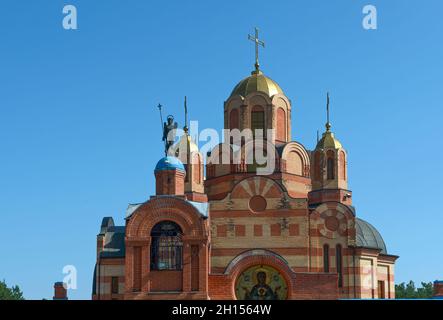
257 102
329 168
169 177
187 151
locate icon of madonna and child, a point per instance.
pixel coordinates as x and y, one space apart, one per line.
261 283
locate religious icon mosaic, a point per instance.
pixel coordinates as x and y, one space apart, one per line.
261 282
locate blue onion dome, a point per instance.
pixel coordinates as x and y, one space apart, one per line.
169 163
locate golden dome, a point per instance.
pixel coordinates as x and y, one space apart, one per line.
257 81
184 147
328 141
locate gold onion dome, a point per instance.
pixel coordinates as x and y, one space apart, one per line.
257 82
328 141
186 146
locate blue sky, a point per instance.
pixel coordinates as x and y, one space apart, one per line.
79 128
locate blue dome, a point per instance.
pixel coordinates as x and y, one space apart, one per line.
169 163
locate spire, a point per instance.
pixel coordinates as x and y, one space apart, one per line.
328 124
328 140
185 128
258 43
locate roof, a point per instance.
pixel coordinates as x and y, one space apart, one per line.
202 207
131 209
114 239
328 141
169 163
369 237
257 82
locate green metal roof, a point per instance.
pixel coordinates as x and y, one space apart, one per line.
369 237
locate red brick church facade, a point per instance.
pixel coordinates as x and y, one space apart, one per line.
232 233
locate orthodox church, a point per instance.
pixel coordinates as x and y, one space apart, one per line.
220 230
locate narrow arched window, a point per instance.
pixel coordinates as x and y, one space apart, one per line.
343 165
330 168
258 120
281 124
326 258
197 169
233 119
166 246
339 264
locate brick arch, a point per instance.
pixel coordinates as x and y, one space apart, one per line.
300 151
255 257
257 98
258 185
282 101
165 209
233 103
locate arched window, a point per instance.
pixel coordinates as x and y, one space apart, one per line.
197 169
258 120
330 168
343 165
233 119
326 258
339 264
166 246
317 166
294 163
281 124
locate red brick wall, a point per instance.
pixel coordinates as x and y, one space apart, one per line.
240 230
166 280
170 182
220 287
258 230
275 230
315 286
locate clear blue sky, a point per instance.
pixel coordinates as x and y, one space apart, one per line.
79 128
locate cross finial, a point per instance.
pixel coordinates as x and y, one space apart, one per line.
328 124
258 43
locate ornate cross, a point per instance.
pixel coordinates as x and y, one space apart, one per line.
258 43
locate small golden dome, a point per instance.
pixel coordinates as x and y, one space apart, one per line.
328 141
185 145
257 81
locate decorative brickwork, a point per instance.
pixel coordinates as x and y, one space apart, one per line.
237 234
